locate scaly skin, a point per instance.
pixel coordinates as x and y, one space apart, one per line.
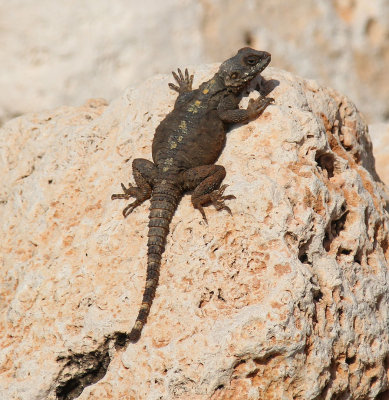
185 146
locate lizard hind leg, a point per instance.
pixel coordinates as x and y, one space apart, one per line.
205 182
144 172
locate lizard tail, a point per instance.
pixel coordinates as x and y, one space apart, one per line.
164 201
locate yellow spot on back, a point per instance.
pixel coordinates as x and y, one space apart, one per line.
172 143
183 127
205 91
194 108
179 138
167 163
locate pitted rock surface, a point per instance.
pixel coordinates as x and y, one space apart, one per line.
287 298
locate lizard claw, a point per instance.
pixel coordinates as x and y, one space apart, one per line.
174 87
184 82
126 195
201 209
131 191
258 106
130 208
217 199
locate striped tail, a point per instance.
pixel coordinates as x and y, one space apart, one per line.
164 201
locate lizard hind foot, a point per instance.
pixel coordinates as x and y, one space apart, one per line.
132 191
128 192
131 207
218 200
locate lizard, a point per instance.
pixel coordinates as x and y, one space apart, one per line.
186 144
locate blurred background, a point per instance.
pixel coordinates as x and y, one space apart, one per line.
56 52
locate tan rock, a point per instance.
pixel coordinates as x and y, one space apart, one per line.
380 137
286 299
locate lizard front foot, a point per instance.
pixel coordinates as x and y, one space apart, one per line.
258 106
184 83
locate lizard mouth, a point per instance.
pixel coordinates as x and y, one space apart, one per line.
262 64
255 71
265 63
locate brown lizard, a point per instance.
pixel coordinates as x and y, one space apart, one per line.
186 144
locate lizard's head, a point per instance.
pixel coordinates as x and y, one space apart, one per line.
237 71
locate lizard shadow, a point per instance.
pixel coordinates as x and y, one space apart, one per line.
265 87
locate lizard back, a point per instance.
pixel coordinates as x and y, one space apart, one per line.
192 132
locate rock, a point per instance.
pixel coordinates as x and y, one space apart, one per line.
286 299
63 52
380 138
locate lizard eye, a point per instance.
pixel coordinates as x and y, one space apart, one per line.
234 75
251 60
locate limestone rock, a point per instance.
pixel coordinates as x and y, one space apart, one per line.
286 299
380 138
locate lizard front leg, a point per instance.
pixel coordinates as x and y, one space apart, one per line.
184 83
229 111
144 172
184 88
205 181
